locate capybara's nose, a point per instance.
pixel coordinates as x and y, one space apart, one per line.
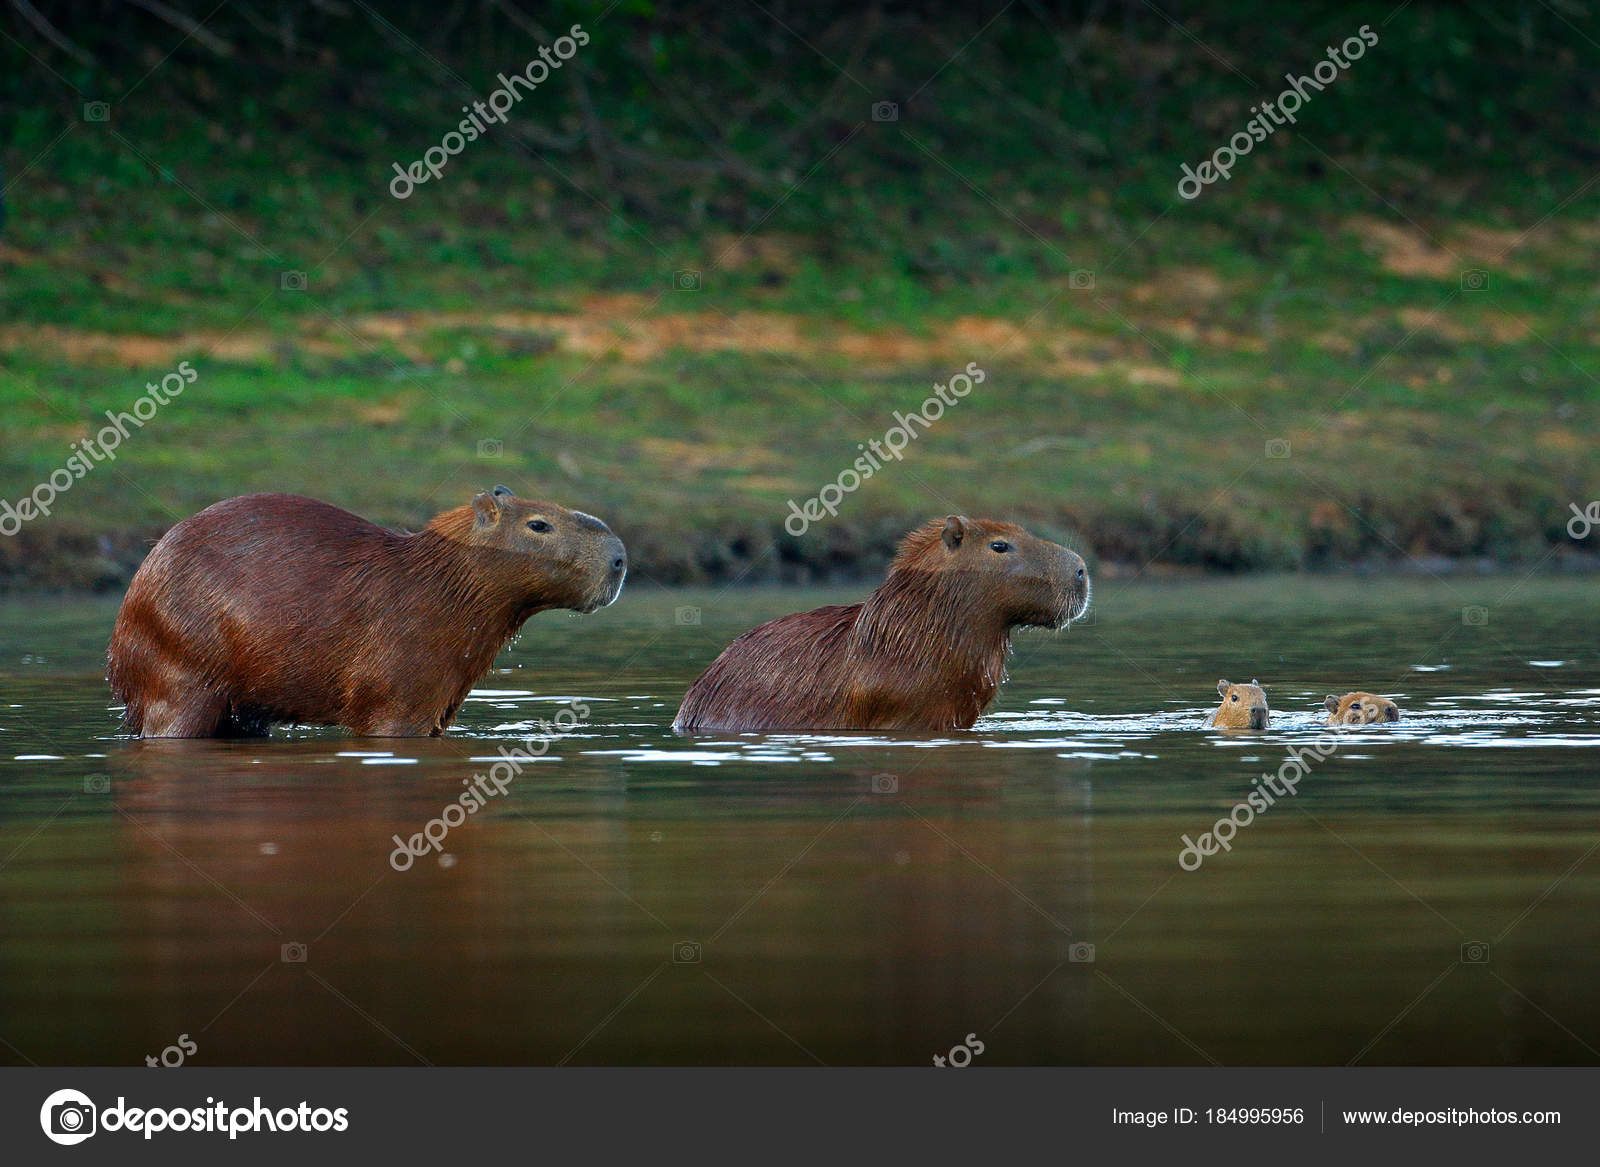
1258 717
619 557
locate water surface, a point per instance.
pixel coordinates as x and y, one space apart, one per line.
1428 896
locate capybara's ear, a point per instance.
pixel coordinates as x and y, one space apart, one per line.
955 530
504 492
486 509
1223 687
1331 702
1255 682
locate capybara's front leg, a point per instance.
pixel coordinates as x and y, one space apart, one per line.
192 714
388 724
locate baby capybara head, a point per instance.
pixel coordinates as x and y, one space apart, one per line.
1018 578
1243 706
1360 708
562 558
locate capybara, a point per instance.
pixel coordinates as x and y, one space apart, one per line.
1360 708
276 608
1243 706
926 651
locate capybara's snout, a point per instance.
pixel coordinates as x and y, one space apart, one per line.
1258 717
1065 579
1075 573
614 556
598 558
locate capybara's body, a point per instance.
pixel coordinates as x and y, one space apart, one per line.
1360 708
276 608
926 651
1243 707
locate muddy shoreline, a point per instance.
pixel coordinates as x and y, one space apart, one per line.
60 559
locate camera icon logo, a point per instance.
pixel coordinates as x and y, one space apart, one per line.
1081 280
885 111
96 111
292 281
686 952
293 953
1474 952
1475 279
96 784
686 616
491 448
1474 616
885 784
68 1117
686 281
1277 448
1081 953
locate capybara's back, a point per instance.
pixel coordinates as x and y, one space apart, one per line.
276 608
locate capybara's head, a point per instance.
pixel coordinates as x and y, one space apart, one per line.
1023 580
1243 706
1360 708
564 558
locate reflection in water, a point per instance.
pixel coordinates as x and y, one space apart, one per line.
633 896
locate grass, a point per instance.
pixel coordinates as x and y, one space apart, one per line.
1316 299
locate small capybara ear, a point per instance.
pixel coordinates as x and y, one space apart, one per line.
955 530
504 492
486 509
1223 687
1255 682
1331 702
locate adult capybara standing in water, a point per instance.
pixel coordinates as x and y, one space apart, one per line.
275 608
926 651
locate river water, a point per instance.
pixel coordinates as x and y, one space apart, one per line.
1428 895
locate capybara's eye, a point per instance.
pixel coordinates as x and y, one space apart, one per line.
538 525
1233 696
1000 545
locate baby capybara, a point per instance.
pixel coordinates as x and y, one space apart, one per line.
1360 708
275 608
1243 707
926 651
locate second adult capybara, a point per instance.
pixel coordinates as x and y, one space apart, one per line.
1360 708
1243 707
926 651
276 608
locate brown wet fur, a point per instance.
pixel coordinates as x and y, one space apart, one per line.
925 651
1360 708
275 608
1243 707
